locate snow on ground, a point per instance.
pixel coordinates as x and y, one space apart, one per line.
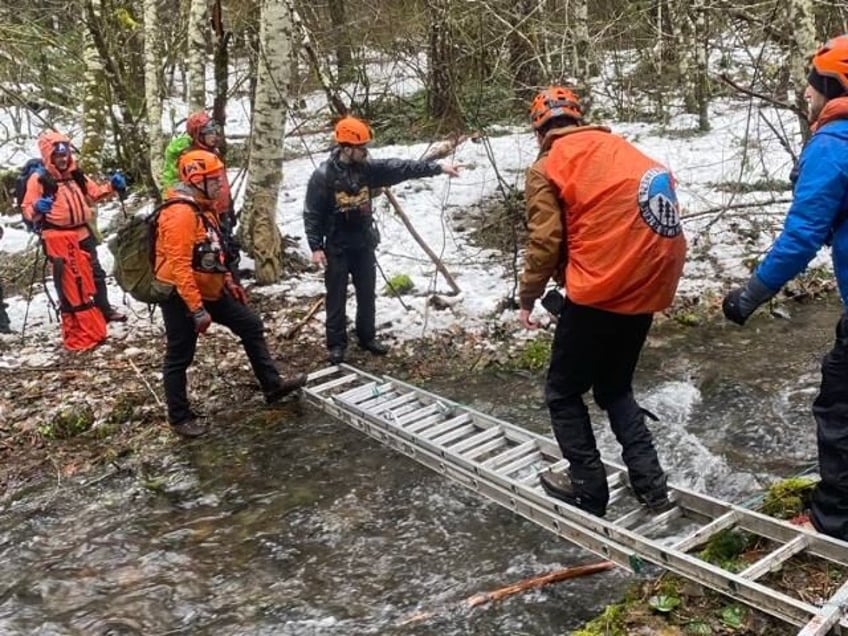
740 147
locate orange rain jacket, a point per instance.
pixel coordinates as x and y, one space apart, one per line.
71 206
180 230
603 220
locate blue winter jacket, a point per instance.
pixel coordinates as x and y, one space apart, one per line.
820 200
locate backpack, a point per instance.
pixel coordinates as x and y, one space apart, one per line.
48 183
134 251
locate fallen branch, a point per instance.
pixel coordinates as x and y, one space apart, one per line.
146 384
289 333
734 206
539 581
440 266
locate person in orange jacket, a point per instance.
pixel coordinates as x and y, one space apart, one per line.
190 256
603 221
59 198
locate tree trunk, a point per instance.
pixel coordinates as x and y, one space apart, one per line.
442 102
221 38
584 65
152 88
801 21
95 107
259 233
341 38
702 74
198 27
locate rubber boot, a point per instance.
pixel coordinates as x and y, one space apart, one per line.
649 481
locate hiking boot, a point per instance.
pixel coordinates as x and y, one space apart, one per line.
113 315
336 355
560 486
656 504
376 347
192 427
286 387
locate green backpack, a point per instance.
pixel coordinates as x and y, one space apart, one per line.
177 146
134 250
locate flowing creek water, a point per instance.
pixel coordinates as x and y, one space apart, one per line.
312 528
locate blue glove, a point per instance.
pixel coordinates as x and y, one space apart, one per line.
119 183
742 301
43 205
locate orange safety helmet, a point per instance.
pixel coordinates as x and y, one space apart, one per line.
351 131
200 123
554 101
831 60
199 165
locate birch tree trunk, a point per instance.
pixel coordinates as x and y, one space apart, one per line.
198 27
801 21
259 234
95 113
583 55
152 86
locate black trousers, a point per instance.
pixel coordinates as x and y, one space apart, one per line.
598 350
361 265
101 295
829 506
182 342
4 317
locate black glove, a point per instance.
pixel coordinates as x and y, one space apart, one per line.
741 302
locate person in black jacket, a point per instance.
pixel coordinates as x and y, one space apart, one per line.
341 232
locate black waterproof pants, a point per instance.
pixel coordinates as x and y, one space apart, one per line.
4 317
361 265
182 342
101 295
829 507
598 350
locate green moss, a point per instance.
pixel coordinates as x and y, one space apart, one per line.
725 549
401 284
610 623
788 498
535 355
68 422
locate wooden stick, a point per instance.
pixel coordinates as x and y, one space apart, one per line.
146 384
289 333
539 581
436 260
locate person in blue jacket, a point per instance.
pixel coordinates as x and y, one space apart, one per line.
817 217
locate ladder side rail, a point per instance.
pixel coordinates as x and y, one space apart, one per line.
582 528
831 613
775 558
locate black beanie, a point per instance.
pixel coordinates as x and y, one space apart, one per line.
830 87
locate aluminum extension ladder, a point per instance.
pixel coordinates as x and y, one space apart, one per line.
502 462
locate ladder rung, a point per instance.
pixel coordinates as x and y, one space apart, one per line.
447 426
483 436
321 373
331 384
700 535
430 409
658 520
351 395
477 451
629 519
520 464
455 434
616 494
774 559
424 426
373 402
396 402
507 456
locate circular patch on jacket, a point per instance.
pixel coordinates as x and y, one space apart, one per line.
658 203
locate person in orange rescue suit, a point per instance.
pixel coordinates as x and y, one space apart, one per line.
189 255
603 220
817 218
340 228
55 201
5 323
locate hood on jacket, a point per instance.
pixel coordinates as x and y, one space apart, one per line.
46 142
834 109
